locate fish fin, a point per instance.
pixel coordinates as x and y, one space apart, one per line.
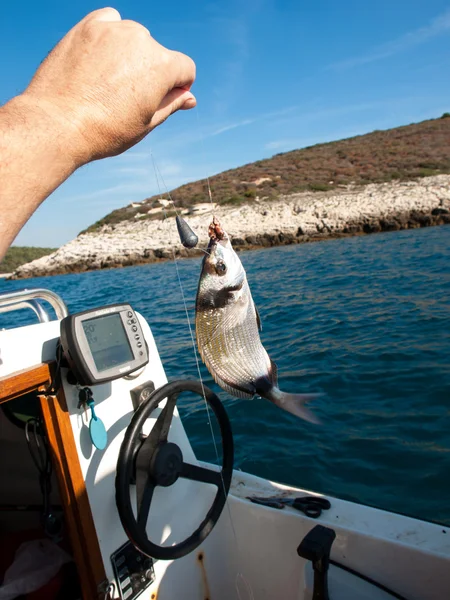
232 390
295 404
273 375
258 318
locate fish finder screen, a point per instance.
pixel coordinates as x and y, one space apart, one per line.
108 341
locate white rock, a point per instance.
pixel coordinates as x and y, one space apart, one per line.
136 238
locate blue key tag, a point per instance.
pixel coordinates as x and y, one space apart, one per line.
97 429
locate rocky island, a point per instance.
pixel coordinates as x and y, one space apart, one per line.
383 181
295 218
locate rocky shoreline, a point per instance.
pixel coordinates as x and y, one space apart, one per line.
297 218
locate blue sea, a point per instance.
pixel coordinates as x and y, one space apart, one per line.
364 320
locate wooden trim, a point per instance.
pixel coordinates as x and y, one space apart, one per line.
72 488
22 382
85 545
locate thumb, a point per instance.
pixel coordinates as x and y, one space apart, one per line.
176 99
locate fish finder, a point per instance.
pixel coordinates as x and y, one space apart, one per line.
103 344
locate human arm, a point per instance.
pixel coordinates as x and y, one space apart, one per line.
101 90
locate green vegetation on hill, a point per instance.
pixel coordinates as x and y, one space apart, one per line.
403 153
19 255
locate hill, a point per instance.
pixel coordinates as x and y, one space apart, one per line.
20 255
404 153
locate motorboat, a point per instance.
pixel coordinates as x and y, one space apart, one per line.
103 497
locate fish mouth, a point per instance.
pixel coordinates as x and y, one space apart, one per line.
218 239
212 246
215 243
216 232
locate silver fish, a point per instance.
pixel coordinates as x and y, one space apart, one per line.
227 327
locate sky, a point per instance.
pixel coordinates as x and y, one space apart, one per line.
272 76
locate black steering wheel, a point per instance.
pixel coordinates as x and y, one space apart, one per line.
153 461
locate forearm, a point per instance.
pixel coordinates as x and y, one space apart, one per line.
100 91
35 158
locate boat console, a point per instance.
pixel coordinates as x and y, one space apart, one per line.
139 515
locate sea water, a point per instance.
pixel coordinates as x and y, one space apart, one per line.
364 320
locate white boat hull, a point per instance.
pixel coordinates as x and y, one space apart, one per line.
252 551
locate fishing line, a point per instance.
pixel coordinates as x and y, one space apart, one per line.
155 167
157 171
185 305
202 141
239 575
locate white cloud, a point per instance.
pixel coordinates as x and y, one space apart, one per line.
244 122
438 26
232 126
132 170
276 144
401 112
321 114
122 189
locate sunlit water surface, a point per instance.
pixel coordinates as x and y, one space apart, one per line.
364 320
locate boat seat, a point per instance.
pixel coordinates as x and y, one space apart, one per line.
327 579
316 547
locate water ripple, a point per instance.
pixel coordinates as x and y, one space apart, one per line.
364 320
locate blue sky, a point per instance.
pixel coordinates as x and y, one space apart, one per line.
272 75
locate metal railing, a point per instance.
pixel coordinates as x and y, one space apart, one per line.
29 299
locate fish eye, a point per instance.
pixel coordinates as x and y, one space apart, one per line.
221 267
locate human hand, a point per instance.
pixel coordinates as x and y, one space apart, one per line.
107 84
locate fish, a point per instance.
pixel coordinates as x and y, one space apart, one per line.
227 329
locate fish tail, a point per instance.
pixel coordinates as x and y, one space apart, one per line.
295 404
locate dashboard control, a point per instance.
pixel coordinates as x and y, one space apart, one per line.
103 344
133 571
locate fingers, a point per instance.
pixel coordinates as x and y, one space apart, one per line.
183 70
104 14
111 77
177 99
189 103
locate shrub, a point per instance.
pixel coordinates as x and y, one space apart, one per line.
19 255
424 172
406 152
320 187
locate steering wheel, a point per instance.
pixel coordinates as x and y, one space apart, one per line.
155 461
